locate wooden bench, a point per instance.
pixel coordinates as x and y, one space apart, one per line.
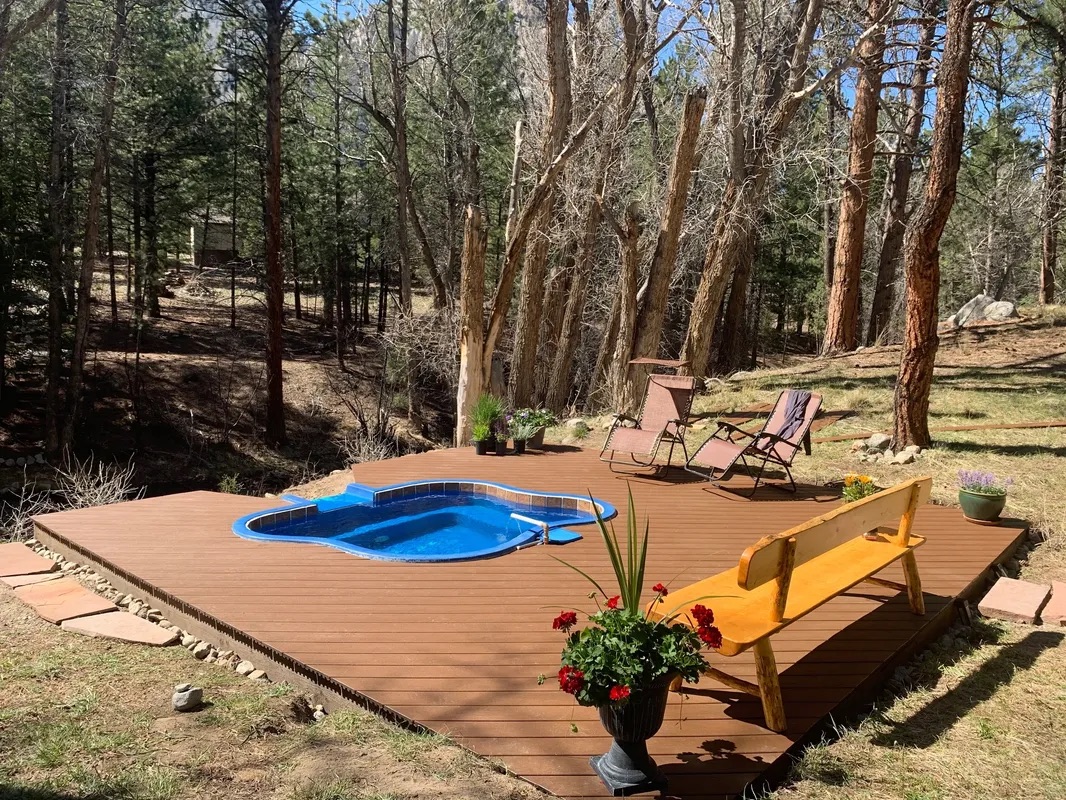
784 577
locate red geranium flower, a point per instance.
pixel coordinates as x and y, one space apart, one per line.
619 692
710 636
612 603
565 621
660 589
571 679
703 615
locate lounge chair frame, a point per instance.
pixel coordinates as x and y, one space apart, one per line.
673 431
760 448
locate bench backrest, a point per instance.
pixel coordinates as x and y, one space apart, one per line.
773 557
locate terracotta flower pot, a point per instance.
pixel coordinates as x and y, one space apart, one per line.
626 768
980 507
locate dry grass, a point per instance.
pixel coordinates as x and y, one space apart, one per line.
84 719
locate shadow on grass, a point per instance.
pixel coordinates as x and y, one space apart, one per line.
8 792
929 723
1015 450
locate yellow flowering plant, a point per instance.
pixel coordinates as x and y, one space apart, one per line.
856 487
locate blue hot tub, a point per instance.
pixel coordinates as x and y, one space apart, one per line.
426 520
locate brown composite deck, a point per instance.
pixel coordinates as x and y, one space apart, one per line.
458 647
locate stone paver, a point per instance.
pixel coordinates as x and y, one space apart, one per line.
17 559
14 581
1015 601
62 599
1054 612
122 628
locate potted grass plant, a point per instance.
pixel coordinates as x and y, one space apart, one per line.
982 496
624 662
484 419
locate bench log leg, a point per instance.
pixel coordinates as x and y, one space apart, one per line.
914 583
773 705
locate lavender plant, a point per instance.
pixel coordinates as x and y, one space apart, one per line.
979 482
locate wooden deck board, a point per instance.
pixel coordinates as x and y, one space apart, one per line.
458 647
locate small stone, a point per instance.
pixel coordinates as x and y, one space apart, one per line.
39 458
211 658
257 675
154 615
318 716
905 458
225 654
187 697
912 448
878 442
858 446
245 668
201 650
188 640
124 601
20 461
1015 601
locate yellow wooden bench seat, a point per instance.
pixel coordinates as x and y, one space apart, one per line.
783 577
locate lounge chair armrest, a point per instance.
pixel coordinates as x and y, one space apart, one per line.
774 438
729 426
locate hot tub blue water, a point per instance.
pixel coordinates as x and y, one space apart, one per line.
425 521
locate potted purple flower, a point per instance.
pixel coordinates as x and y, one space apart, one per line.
982 496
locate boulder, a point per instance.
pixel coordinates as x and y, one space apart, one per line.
879 442
982 308
905 457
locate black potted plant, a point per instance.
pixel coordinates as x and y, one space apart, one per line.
623 663
522 428
485 417
480 434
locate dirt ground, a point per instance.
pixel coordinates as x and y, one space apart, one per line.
86 719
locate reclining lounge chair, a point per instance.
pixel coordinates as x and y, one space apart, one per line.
663 416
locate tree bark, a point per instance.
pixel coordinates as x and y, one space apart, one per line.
629 246
755 145
843 315
647 330
92 231
57 190
471 322
829 201
901 168
531 297
277 19
1053 183
921 249
398 72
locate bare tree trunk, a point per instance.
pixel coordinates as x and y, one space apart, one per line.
921 249
92 230
647 330
829 202
277 18
233 213
110 211
471 322
733 348
629 245
527 327
1053 180
843 314
56 200
901 168
297 300
398 72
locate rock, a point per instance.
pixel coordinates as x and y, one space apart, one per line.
125 601
154 615
223 655
912 448
39 458
201 650
257 675
211 658
858 447
905 458
889 455
187 697
878 442
188 640
245 668
20 462
982 308
319 715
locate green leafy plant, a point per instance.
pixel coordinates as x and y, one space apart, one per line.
540 417
522 428
480 432
624 650
856 487
488 411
